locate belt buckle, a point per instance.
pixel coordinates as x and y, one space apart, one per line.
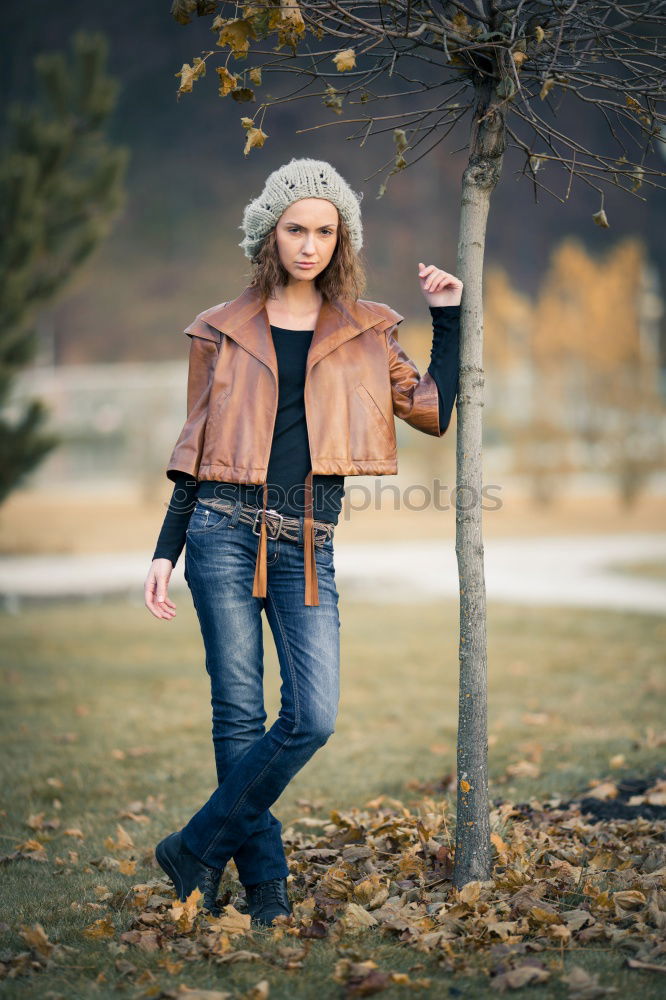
273 513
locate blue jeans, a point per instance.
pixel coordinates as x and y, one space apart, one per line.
254 766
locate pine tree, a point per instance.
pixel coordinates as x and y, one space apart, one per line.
61 185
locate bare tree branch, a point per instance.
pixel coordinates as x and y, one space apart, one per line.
513 65
586 50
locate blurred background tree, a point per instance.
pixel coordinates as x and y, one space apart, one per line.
595 366
61 185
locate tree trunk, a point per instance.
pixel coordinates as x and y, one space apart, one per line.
473 854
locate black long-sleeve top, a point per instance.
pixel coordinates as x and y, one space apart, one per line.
289 460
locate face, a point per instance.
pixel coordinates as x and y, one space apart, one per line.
307 234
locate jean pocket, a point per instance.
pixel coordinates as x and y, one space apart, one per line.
324 553
206 519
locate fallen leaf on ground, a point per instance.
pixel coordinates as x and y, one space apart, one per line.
585 986
122 842
35 937
102 928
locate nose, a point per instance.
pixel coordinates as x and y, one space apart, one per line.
309 246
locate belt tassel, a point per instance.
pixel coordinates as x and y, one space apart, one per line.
311 582
261 565
310 563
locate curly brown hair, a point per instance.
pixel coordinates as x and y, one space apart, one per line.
343 277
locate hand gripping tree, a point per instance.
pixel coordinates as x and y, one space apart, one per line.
512 66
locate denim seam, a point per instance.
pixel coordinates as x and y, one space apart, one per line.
193 532
218 834
292 672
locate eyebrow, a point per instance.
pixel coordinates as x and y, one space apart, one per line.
328 225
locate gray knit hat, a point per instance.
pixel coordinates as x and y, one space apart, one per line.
300 178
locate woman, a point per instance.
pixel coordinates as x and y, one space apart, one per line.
291 386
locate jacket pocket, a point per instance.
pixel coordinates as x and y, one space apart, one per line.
377 419
222 397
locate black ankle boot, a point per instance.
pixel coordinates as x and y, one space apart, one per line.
188 872
267 900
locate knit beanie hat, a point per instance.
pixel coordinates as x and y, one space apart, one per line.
300 178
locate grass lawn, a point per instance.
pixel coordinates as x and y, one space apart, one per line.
103 706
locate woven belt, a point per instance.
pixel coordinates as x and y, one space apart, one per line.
277 525
267 523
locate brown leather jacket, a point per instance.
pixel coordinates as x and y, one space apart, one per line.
358 378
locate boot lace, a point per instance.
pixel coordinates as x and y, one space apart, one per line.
272 890
210 881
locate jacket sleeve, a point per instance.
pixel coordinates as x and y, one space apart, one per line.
415 396
204 352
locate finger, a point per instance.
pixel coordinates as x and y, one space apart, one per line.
153 608
151 601
149 594
160 612
163 601
155 612
441 280
166 608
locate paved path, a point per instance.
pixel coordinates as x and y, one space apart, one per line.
564 570
569 570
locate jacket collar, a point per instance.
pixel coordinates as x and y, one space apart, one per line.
245 320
